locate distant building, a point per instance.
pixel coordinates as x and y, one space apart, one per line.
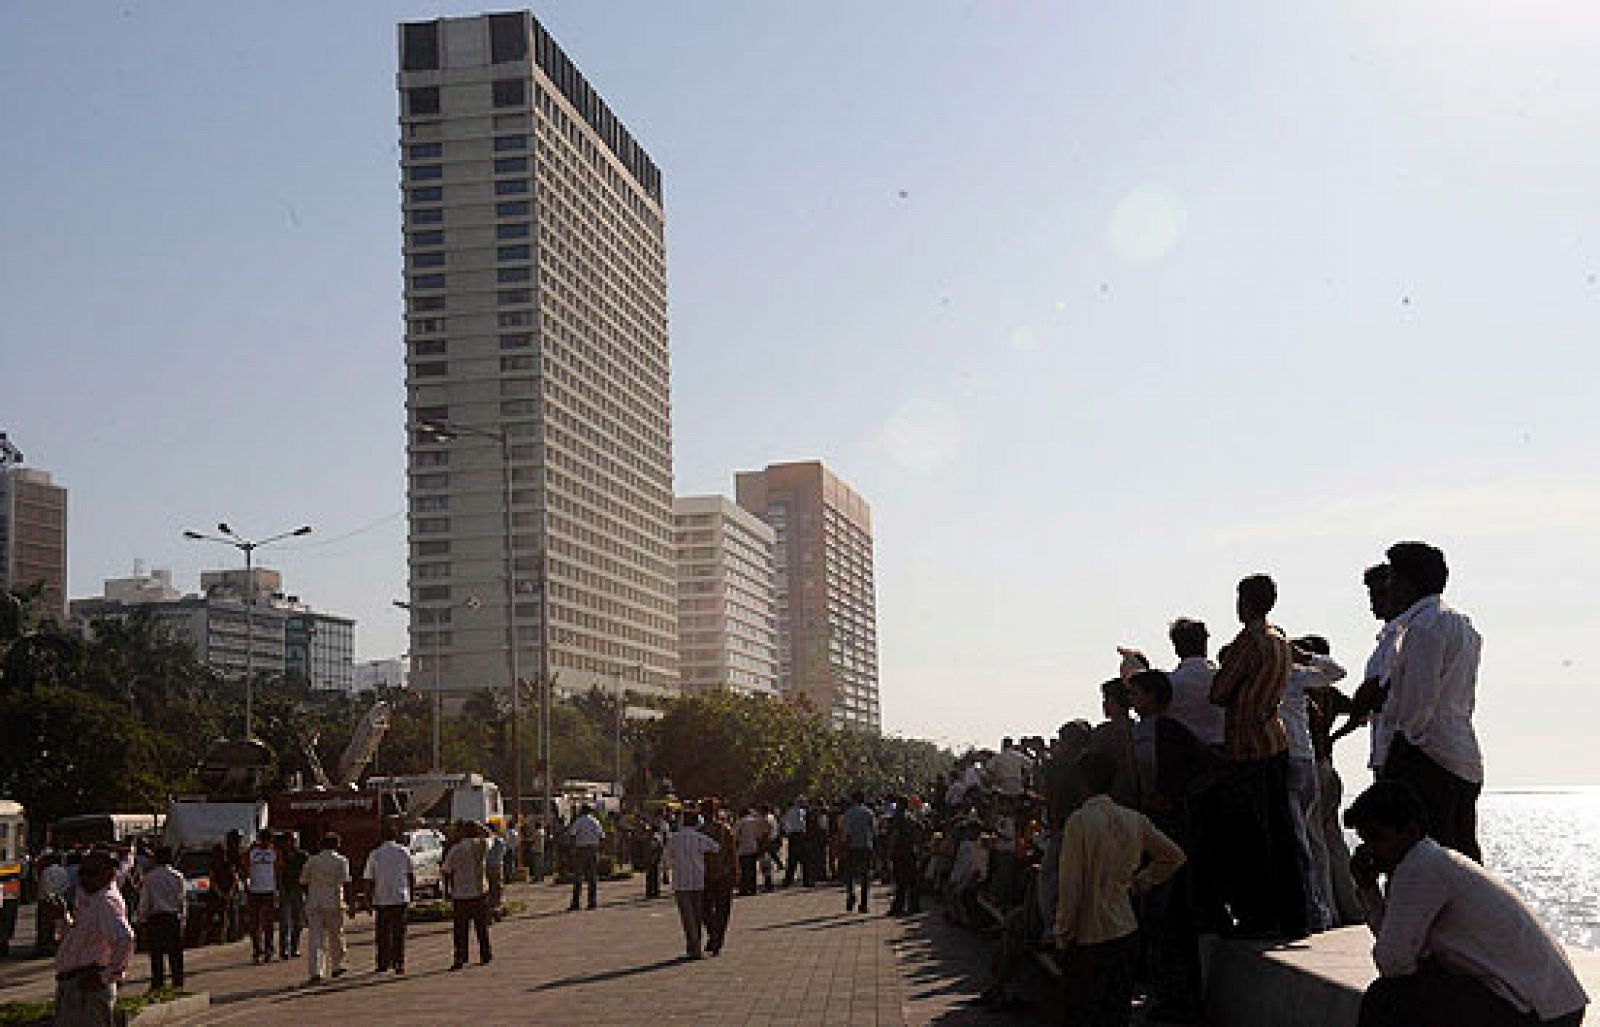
33 531
727 603
827 612
371 675
215 626
154 587
536 312
319 650
277 634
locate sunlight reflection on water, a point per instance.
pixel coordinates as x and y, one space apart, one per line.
1547 845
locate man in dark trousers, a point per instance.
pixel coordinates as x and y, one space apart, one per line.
1433 681
161 910
1265 887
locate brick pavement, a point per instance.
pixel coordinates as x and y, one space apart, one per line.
794 957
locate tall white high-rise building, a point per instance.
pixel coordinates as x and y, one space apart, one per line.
727 602
536 325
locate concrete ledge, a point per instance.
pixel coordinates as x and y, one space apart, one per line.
1314 983
176 1011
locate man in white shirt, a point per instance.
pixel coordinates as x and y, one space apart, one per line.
326 878
750 833
686 854
1433 681
1191 682
794 831
1313 669
390 882
161 910
1456 947
1008 771
465 872
586 833
261 895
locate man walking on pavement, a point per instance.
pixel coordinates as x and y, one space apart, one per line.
494 865
326 879
390 883
261 894
686 852
750 833
586 834
466 875
794 834
291 895
161 910
860 833
720 867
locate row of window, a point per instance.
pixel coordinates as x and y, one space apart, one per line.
434 151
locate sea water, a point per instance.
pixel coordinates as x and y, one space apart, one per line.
1546 843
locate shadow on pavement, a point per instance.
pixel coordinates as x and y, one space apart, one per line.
944 967
607 975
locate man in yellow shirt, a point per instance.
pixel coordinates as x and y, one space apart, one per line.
1102 847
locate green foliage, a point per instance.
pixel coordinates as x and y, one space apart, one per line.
753 749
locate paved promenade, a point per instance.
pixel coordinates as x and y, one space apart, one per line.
793 957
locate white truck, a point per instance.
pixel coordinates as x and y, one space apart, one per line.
193 828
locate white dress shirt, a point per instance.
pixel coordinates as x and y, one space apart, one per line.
161 891
1191 699
1433 684
1443 905
389 870
1378 670
324 877
1321 671
686 855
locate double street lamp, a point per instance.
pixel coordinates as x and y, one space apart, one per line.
449 431
228 537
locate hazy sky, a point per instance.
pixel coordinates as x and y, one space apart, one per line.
1100 306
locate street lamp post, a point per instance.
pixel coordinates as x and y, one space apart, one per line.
248 547
438 694
447 431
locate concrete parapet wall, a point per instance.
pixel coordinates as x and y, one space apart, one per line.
1314 983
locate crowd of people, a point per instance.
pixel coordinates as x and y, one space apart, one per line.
1206 801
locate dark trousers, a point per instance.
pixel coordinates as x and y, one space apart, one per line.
164 936
473 913
391 937
1451 802
1433 998
291 919
1167 928
1207 851
1264 885
796 845
717 907
747 872
907 889
1098 982
263 909
652 878
857 867
585 870
691 910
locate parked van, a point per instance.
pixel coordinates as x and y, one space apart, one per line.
103 829
427 860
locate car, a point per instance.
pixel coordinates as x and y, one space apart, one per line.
426 847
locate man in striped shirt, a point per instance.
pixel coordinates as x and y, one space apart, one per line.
1264 884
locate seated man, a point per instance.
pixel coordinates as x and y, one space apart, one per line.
1456 947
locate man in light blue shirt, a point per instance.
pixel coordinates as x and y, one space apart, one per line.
860 829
